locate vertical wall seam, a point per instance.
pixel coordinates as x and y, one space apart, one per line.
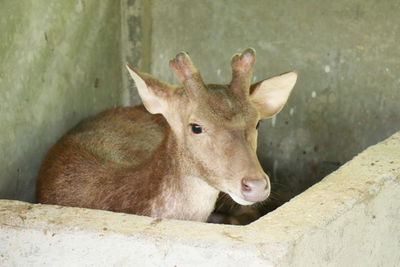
147 24
136 25
125 92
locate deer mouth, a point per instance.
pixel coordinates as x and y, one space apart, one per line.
240 200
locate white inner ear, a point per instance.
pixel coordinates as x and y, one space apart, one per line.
271 95
150 101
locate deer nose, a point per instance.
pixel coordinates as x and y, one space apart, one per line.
255 190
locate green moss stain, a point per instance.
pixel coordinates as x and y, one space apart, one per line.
60 62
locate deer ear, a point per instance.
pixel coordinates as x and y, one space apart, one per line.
270 95
153 92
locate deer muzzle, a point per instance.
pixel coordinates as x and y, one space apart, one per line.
255 190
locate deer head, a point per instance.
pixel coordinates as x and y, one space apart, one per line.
215 125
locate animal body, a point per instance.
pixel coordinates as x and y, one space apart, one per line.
171 156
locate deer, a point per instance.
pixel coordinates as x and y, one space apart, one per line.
171 156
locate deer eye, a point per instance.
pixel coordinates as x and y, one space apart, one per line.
196 128
258 124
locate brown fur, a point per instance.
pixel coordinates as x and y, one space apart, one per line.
128 160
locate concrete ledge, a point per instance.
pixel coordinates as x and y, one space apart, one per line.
350 218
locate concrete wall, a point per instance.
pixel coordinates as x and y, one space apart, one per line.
346 53
350 218
60 61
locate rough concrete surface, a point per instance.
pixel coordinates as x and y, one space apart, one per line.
350 218
60 61
346 53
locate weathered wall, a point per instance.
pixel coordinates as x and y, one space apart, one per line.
60 62
346 53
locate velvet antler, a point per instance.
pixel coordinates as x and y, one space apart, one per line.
242 71
187 73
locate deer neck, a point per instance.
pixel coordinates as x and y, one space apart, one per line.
183 192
